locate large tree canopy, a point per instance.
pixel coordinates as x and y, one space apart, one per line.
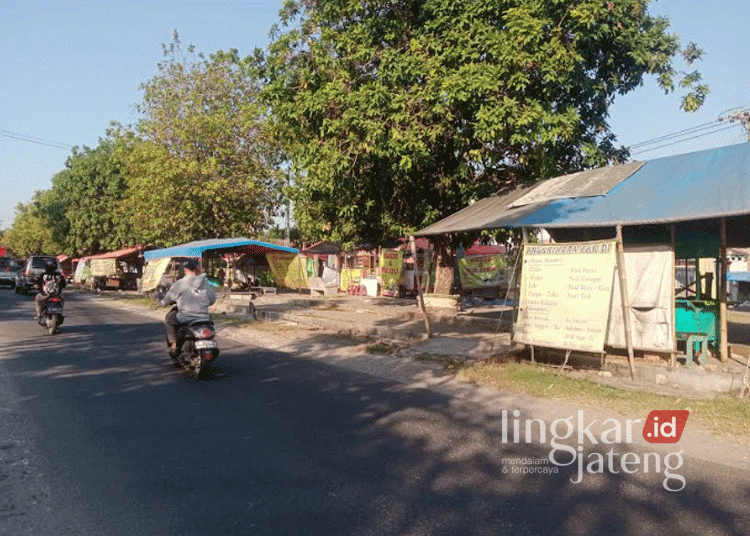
82 205
396 113
31 232
204 167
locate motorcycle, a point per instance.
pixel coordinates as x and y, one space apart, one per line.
52 315
199 348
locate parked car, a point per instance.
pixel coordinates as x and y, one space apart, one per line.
32 269
8 267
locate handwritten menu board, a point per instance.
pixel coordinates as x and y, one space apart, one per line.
566 290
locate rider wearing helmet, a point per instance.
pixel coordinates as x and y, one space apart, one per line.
50 283
193 295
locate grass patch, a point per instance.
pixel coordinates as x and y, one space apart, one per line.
383 348
723 416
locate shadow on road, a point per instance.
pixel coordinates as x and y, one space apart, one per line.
276 445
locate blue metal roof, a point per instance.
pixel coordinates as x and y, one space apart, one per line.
197 248
700 185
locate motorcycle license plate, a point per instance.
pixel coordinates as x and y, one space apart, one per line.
205 345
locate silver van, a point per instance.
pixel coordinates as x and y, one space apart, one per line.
32 269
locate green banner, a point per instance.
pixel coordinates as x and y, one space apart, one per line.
480 271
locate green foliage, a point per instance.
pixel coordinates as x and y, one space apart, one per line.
396 113
204 167
31 233
82 205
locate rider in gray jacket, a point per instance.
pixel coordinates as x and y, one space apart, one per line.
193 296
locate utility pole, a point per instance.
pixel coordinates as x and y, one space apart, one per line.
288 211
743 117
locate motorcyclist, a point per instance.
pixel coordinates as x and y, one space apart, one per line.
50 283
193 295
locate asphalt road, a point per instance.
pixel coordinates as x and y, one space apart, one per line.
99 435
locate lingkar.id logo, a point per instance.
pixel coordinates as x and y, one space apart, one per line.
661 426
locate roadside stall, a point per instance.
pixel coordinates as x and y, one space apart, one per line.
323 268
118 269
232 263
650 218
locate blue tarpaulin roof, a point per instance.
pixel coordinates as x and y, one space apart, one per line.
706 184
197 248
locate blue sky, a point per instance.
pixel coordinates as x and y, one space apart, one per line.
69 68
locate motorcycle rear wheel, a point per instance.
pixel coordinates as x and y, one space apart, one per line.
52 325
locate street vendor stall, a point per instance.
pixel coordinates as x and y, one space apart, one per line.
690 206
118 269
235 263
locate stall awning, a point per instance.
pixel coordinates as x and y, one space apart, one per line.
118 254
705 184
218 245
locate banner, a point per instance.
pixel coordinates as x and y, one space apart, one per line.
391 271
153 272
566 293
103 267
83 271
289 270
479 271
349 277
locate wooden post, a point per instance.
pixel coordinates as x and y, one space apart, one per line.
625 302
673 245
420 298
723 344
517 283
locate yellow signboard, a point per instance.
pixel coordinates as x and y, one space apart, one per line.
289 270
391 270
566 290
350 277
152 273
103 267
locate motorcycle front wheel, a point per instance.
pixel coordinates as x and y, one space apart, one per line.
52 325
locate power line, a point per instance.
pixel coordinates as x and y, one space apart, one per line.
739 116
684 132
32 139
685 139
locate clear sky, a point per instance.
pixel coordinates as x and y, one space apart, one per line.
67 69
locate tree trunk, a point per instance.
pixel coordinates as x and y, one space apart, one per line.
443 267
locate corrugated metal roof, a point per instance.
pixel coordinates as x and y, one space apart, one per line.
694 186
117 254
589 183
197 248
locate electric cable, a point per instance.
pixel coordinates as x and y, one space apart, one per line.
685 139
32 139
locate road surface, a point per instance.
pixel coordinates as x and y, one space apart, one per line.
100 436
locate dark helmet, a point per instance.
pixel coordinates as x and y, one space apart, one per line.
191 264
50 266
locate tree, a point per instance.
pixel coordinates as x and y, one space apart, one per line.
397 113
83 203
31 232
204 167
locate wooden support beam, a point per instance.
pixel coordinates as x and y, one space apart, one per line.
722 275
418 280
673 245
625 301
